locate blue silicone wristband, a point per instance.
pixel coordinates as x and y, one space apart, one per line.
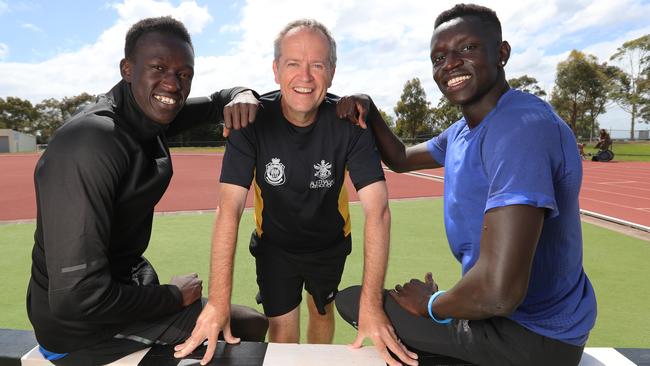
431 299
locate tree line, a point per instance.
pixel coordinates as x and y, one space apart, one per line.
42 119
584 88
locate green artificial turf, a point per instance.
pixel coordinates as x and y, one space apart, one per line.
616 264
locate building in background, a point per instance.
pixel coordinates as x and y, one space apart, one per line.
14 141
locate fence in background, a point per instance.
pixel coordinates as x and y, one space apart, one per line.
625 134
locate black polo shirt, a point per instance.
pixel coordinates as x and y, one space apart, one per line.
301 203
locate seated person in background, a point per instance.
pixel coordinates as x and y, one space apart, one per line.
92 297
604 141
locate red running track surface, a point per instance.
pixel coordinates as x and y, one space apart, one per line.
615 189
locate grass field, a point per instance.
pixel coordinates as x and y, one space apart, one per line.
617 265
626 151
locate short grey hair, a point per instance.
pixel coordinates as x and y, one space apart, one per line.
310 24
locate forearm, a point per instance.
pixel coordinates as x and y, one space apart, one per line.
224 242
391 148
222 260
98 298
201 110
376 248
398 157
472 298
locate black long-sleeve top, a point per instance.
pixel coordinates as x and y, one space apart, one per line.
96 187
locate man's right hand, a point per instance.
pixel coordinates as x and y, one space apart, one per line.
208 326
354 108
240 112
190 286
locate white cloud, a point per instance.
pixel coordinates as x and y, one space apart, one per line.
194 17
229 28
4 7
4 50
31 27
94 67
603 50
382 43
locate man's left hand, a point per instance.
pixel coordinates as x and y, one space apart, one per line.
375 325
239 112
414 296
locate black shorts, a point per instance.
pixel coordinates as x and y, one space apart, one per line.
281 275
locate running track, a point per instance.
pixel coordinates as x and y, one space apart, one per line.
616 189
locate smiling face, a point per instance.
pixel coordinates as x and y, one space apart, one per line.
304 73
467 60
160 74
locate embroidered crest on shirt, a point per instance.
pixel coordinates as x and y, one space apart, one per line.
274 174
323 171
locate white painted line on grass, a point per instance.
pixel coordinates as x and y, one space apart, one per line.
615 220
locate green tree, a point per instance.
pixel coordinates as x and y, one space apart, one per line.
412 111
632 90
49 119
70 105
3 124
444 115
17 114
581 92
527 84
644 111
53 112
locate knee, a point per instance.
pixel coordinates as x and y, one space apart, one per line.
348 297
347 303
248 324
316 316
259 325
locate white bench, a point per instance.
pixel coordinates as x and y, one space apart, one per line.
326 355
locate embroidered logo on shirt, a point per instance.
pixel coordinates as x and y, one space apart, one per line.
274 174
323 171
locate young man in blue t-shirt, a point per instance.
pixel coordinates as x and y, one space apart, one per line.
512 179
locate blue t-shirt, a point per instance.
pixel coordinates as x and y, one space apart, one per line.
522 153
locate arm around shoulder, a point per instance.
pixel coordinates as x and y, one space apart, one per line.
214 108
361 110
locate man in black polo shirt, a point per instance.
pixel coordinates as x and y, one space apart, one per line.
296 155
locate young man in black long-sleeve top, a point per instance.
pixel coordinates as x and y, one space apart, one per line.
92 297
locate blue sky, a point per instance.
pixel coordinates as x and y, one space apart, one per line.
63 48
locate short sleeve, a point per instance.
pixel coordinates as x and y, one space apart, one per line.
519 160
239 159
364 162
437 147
